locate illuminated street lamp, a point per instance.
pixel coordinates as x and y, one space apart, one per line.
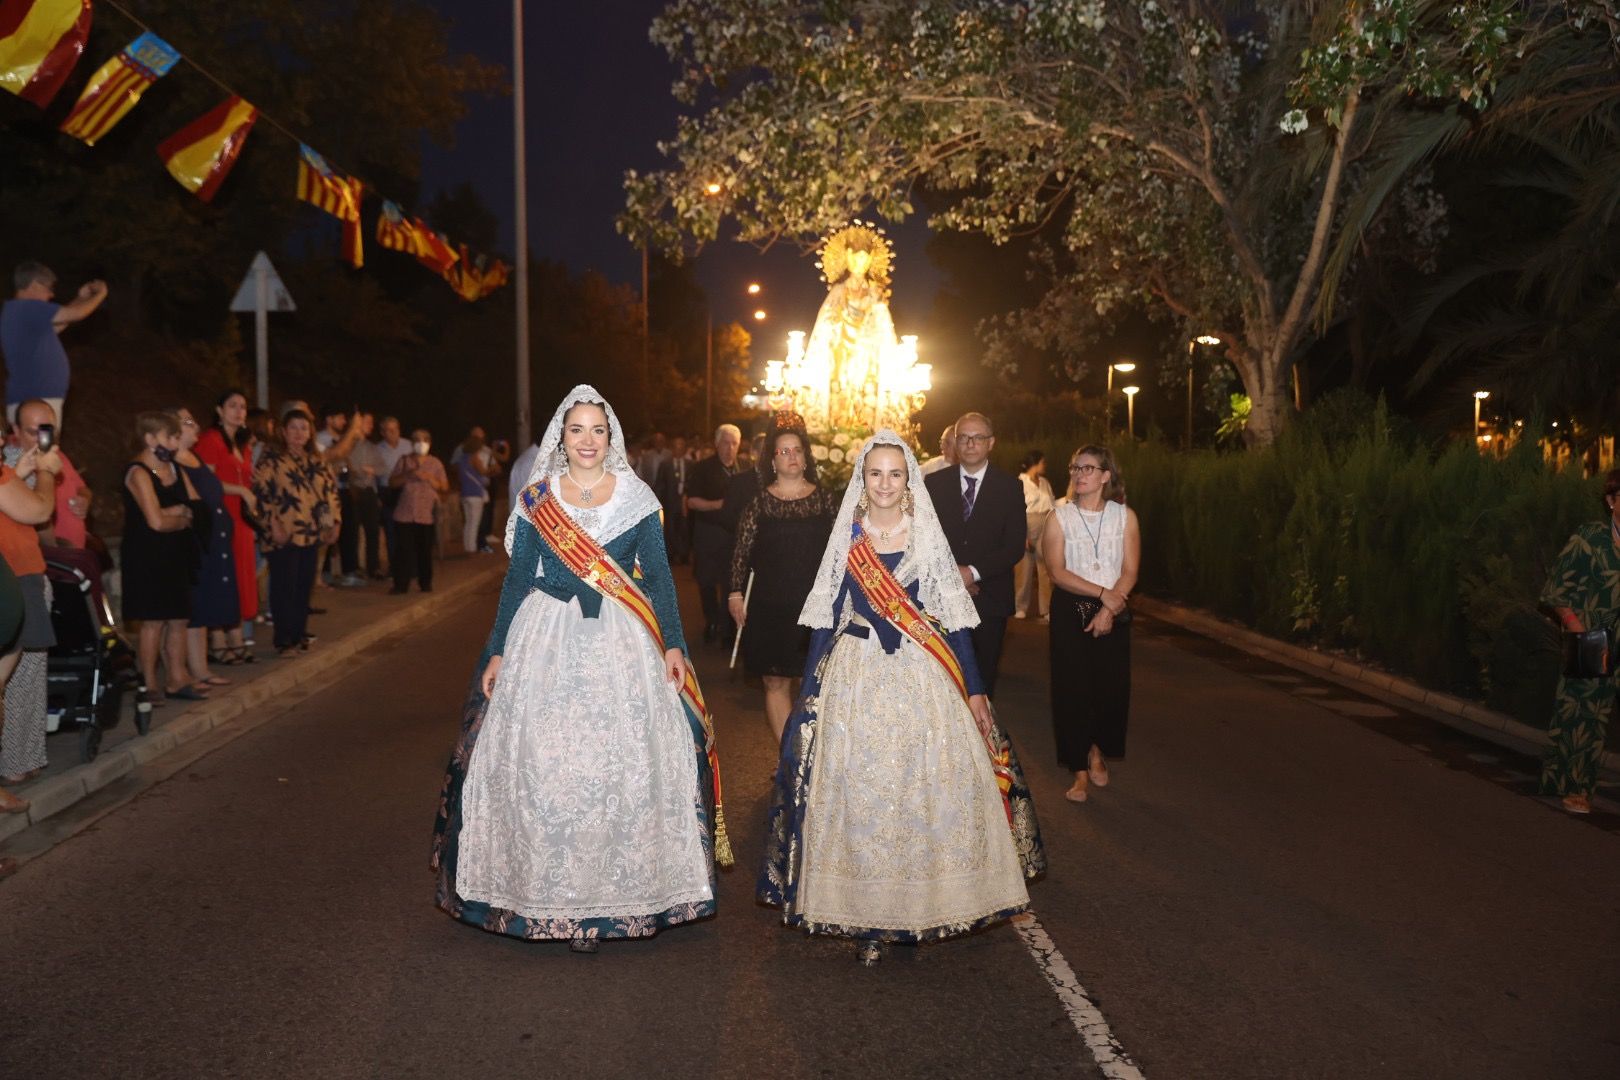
1479 396
1124 368
713 187
753 288
759 316
1201 339
1130 408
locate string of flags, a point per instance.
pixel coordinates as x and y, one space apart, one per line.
41 42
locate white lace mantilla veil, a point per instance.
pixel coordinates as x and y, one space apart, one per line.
632 499
927 560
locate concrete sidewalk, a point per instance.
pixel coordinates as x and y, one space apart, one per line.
355 619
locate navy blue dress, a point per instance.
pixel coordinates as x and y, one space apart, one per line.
215 603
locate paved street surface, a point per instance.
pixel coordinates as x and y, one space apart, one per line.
1283 880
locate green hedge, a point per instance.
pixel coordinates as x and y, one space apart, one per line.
1351 533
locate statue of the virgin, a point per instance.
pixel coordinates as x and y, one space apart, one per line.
854 330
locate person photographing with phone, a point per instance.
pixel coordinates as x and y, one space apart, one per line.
36 428
30 322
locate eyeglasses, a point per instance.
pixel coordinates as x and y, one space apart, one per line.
973 440
187 422
789 451
1085 470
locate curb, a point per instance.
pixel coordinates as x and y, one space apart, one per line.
53 795
1467 716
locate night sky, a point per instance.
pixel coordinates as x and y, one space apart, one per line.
598 103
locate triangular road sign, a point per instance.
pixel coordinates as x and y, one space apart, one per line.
277 296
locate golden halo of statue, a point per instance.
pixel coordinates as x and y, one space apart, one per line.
857 236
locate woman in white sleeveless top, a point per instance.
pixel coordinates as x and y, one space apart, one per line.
1093 550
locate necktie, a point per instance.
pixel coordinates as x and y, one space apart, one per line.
967 499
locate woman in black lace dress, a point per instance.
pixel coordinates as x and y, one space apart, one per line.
780 537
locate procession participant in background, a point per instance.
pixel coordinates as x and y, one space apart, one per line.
899 812
1093 550
780 539
671 489
577 804
982 510
1034 584
947 452
711 537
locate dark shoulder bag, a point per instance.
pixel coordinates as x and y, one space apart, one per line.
1589 654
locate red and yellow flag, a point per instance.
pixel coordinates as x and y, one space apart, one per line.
473 279
118 85
319 184
201 154
413 237
40 41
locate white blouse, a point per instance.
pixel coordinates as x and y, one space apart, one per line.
1094 542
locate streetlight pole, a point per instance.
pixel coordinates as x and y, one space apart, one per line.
1479 397
1108 410
1130 409
521 221
1201 339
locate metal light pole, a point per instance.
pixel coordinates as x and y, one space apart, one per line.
1479 397
1130 408
1108 407
520 168
1201 339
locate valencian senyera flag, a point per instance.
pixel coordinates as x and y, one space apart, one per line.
200 155
118 85
413 237
472 279
434 250
337 195
40 41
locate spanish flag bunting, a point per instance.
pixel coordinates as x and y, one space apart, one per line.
118 85
338 195
40 41
200 155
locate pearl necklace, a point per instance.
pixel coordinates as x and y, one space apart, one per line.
585 495
894 530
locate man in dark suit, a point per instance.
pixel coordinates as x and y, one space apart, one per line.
982 510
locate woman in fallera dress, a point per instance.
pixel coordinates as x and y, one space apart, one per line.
579 802
899 812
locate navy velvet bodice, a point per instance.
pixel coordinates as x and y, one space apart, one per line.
889 635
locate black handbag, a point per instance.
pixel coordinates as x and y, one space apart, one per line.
1089 606
1588 654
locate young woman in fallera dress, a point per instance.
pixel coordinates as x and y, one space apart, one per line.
899 814
578 804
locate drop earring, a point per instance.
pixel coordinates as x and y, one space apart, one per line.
908 504
862 505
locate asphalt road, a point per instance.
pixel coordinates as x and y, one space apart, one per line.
1283 880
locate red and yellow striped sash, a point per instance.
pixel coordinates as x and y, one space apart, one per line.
594 566
890 599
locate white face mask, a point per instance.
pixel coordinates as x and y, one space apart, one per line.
421 446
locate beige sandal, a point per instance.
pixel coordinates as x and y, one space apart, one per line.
1577 804
1097 767
1077 792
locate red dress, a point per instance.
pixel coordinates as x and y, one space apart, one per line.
234 466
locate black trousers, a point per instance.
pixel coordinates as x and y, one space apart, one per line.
486 521
367 512
414 556
1091 685
987 639
292 575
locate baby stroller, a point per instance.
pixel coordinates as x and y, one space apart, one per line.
90 666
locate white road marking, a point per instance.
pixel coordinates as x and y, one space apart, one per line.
1088 1020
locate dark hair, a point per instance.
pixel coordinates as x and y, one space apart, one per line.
29 272
1611 487
1031 459
240 439
1115 491
767 458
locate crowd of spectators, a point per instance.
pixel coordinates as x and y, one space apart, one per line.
235 519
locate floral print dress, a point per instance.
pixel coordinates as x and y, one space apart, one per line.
1585 579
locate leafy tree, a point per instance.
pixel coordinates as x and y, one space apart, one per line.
1196 157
